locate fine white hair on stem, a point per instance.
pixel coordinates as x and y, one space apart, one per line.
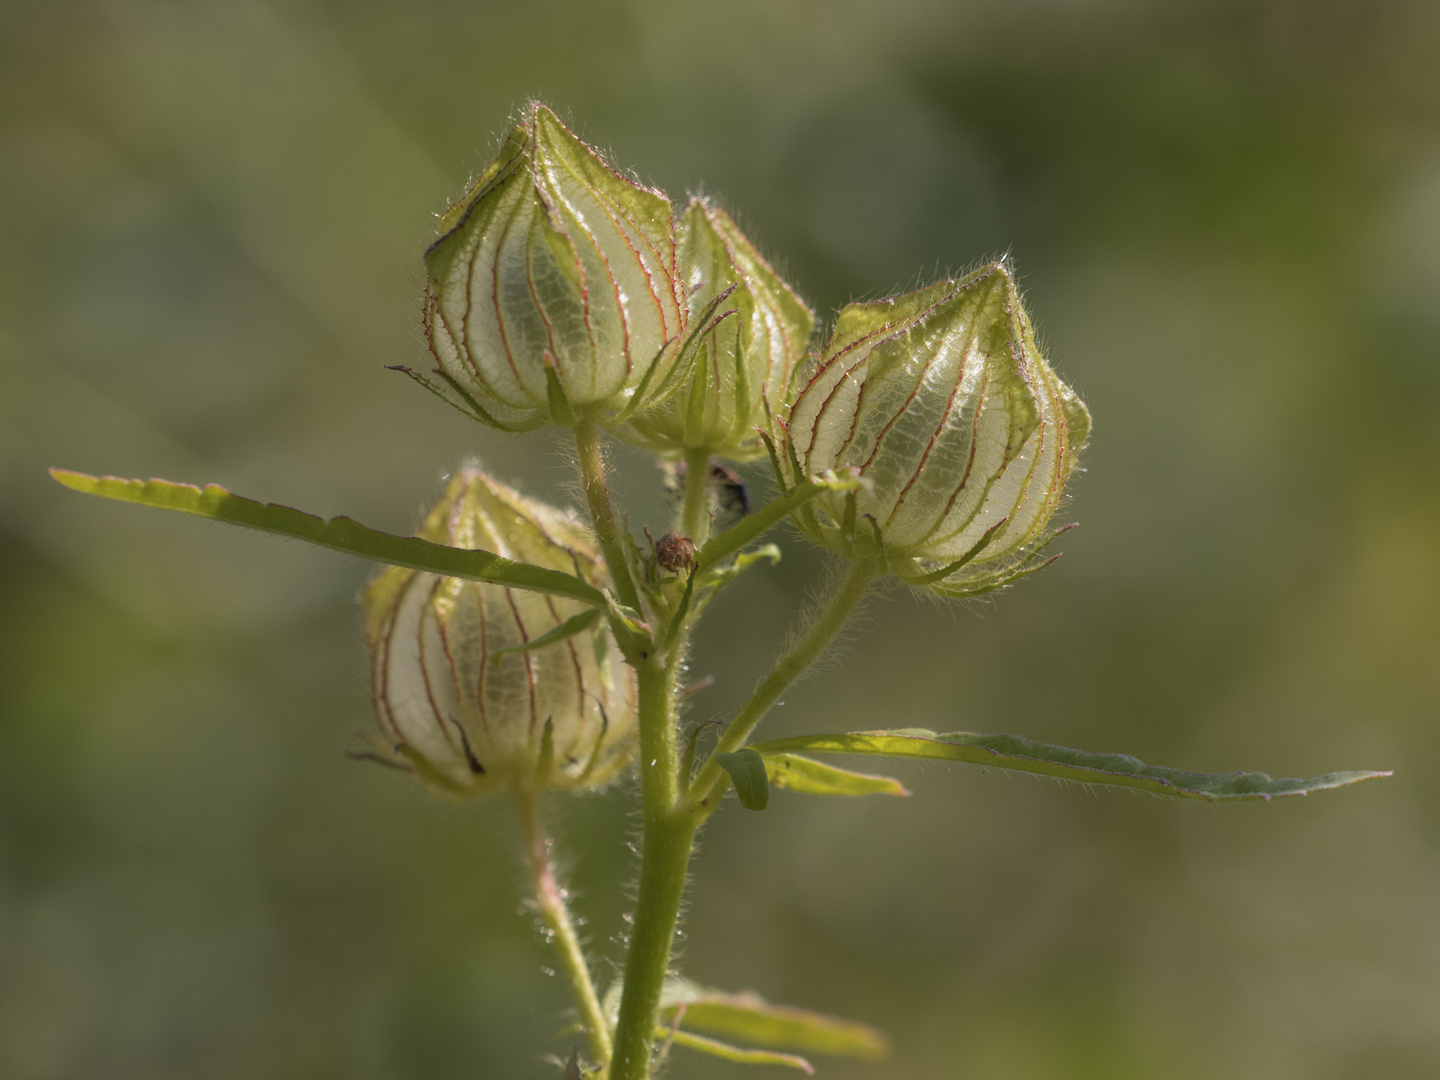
817 602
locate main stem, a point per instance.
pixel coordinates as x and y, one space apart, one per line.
550 902
669 835
669 827
787 669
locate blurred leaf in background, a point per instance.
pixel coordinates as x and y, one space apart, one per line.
1226 217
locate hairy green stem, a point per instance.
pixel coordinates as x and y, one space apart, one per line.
695 518
787 669
602 514
669 835
550 903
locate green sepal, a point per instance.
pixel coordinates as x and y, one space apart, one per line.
747 773
946 571
792 772
742 388
638 399
560 411
466 403
576 624
694 432
774 456
1043 759
684 352
338 533
438 781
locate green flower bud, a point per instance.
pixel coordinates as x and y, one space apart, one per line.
963 433
757 331
552 288
458 704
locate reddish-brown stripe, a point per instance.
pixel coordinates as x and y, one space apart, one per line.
525 656
428 609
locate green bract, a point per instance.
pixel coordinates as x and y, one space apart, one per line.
552 289
753 329
963 433
467 698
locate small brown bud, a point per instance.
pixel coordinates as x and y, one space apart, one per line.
675 553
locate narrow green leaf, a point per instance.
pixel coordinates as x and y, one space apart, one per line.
750 527
1026 755
338 533
715 1048
795 773
747 773
576 624
749 1017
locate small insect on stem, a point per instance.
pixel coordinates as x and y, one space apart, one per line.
731 494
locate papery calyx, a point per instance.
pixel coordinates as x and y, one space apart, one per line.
751 330
457 705
964 435
552 290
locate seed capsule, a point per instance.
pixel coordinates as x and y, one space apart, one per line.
458 706
966 436
753 329
552 289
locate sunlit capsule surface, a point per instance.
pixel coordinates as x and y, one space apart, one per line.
753 330
463 721
964 434
553 260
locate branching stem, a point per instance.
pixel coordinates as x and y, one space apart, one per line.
671 818
669 835
602 514
555 914
788 668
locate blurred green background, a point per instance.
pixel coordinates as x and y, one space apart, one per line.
1227 220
